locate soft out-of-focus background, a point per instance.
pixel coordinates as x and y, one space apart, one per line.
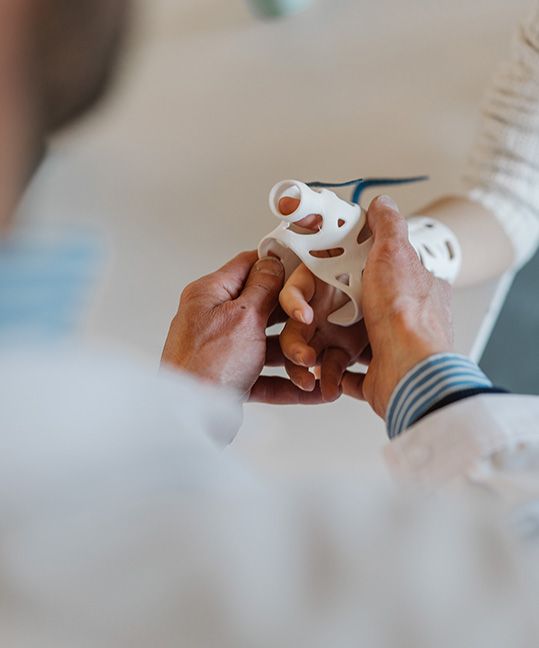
212 106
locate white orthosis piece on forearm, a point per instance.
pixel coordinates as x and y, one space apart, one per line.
341 231
503 170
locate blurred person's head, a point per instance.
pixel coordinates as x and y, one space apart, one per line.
56 58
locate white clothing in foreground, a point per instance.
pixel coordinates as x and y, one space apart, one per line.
123 524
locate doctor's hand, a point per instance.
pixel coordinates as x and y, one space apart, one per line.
219 331
407 310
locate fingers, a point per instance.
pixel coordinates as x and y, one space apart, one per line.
224 284
299 353
333 366
274 390
262 288
242 262
295 343
385 221
300 376
288 205
233 275
352 385
392 261
297 293
331 372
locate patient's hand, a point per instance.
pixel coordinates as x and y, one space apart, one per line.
308 339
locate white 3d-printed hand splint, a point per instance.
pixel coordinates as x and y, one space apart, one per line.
341 231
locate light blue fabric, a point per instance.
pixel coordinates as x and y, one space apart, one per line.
428 383
45 278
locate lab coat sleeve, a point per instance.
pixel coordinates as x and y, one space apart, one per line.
492 439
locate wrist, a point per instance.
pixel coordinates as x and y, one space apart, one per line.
406 349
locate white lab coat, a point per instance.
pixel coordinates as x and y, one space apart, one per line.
124 522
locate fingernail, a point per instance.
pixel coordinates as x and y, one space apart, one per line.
298 315
307 385
388 202
270 265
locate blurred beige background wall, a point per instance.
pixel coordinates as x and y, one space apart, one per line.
213 106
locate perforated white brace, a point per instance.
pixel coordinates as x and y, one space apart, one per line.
341 231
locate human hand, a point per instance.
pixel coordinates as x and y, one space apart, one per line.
308 340
407 310
219 332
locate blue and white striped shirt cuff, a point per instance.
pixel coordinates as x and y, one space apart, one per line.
427 384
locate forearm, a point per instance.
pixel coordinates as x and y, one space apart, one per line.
497 218
487 251
502 173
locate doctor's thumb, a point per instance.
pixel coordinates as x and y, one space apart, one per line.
261 291
386 222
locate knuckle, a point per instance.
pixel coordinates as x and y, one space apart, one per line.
190 291
390 249
401 254
267 287
402 316
195 289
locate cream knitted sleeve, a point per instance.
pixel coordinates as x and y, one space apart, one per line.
503 170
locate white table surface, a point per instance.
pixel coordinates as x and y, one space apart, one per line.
212 107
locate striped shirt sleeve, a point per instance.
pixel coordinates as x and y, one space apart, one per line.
432 381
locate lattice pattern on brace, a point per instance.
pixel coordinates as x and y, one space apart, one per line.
341 230
437 247
341 224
